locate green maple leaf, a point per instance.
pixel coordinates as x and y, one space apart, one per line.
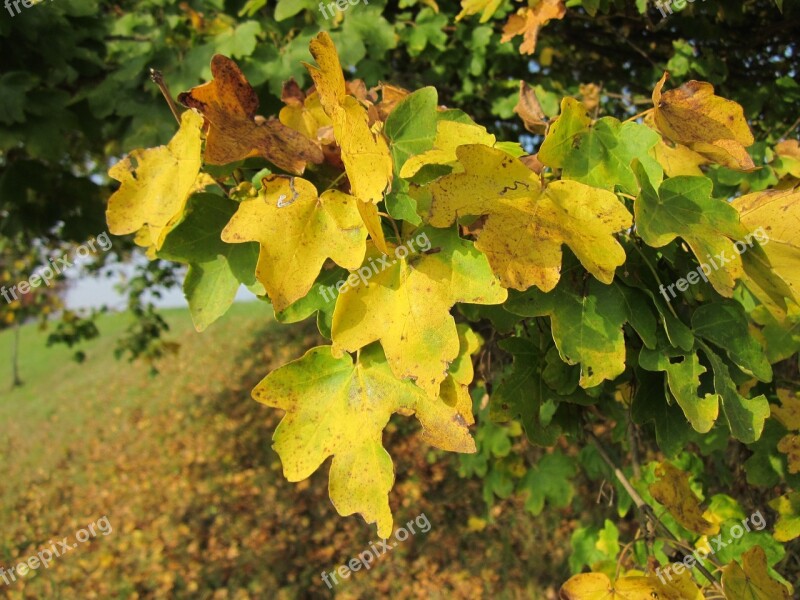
216 269
549 481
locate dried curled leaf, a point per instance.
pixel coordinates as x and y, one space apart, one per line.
710 125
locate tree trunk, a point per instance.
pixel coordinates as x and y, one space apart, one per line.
16 382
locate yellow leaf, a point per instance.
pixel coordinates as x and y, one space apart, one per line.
526 224
710 125
455 388
473 7
337 408
406 306
229 105
365 153
790 446
678 159
752 580
449 136
528 21
777 213
156 183
297 231
597 586
372 221
672 490
788 413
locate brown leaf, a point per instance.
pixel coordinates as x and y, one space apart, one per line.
530 110
590 95
291 94
229 106
528 21
673 491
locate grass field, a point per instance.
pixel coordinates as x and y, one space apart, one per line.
182 467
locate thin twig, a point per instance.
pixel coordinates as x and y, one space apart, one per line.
158 78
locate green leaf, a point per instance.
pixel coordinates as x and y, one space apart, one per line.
216 269
683 378
239 41
586 320
522 393
411 127
549 481
787 506
725 325
321 299
650 404
286 9
683 207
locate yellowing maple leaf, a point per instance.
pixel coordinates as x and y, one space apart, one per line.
297 231
156 183
777 213
473 7
365 153
529 20
449 136
597 586
229 105
338 408
406 306
673 492
708 124
752 580
526 224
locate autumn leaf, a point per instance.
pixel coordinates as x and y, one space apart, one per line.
450 135
365 152
337 407
229 105
597 586
530 110
156 184
787 526
777 214
708 124
472 7
527 224
529 20
298 230
683 207
406 306
455 388
752 580
672 491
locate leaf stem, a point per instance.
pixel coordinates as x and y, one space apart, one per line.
158 78
641 114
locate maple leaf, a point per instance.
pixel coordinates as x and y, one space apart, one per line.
708 124
365 153
406 306
529 20
473 7
672 490
297 230
598 154
777 213
787 526
335 407
526 224
216 269
454 390
597 586
586 324
229 105
752 580
450 135
683 207
530 110
156 184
